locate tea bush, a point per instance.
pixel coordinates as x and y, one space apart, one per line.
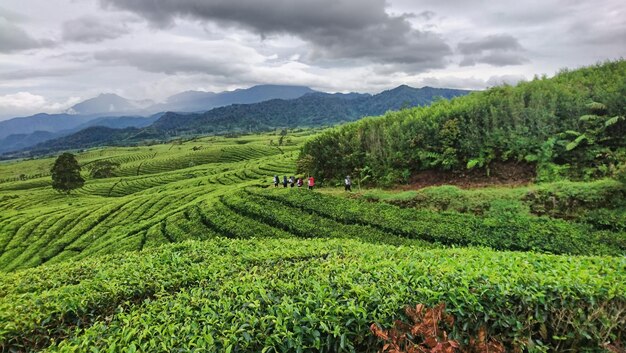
506 230
284 295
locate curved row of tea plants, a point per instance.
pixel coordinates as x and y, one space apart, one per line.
38 225
501 232
280 295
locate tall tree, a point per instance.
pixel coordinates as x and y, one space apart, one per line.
66 174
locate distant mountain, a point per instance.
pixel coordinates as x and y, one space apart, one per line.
121 122
406 96
17 142
109 103
81 113
41 122
89 137
313 109
196 101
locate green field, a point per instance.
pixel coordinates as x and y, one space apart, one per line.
187 249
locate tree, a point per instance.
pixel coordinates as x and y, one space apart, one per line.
102 169
66 174
305 164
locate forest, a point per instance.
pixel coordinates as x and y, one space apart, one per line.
570 126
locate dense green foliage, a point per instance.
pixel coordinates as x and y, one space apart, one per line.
601 204
570 125
319 295
65 174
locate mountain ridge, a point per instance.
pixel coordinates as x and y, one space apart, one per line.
310 110
110 105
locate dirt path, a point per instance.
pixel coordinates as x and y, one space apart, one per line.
501 174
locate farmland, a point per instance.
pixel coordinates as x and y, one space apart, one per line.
183 250
155 186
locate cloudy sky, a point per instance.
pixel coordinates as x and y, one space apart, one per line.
56 53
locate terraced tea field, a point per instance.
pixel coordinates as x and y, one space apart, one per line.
156 188
186 249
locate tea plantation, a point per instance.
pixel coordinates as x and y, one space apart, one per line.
189 248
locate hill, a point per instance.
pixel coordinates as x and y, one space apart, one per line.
18 142
572 125
198 101
108 103
310 110
184 248
41 122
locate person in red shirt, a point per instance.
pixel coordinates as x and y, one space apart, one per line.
311 183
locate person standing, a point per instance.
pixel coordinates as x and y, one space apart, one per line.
300 182
292 181
348 183
311 183
284 181
276 181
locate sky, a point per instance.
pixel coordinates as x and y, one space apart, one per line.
55 53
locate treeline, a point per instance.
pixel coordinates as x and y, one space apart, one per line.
571 125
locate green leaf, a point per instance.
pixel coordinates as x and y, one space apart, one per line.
588 117
570 146
612 121
474 162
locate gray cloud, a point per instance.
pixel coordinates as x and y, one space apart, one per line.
91 29
496 50
335 45
169 63
11 16
505 79
469 82
34 73
13 38
426 15
503 42
347 29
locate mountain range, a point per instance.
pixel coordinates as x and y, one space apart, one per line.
111 110
197 101
309 110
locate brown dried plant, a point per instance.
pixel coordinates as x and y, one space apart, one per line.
427 334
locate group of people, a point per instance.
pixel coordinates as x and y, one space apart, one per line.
292 181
